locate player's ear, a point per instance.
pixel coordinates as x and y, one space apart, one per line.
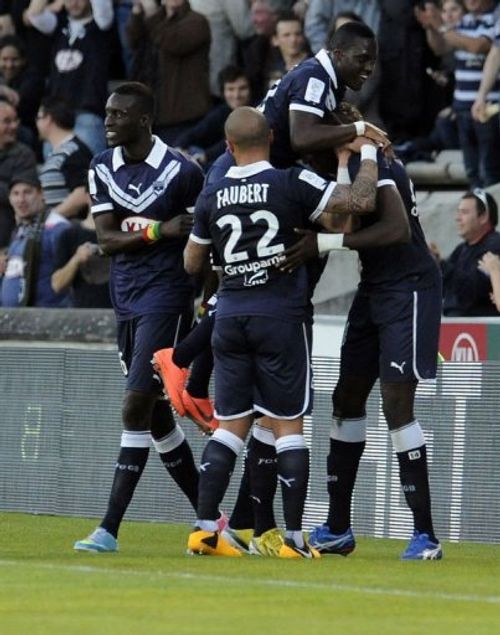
230 146
146 121
337 54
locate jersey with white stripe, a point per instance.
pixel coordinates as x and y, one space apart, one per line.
311 87
469 66
163 185
405 266
249 218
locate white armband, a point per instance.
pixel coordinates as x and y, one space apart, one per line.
330 242
343 176
360 128
368 152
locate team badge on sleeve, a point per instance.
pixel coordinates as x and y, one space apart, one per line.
313 179
314 90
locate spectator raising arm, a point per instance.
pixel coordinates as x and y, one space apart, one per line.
43 15
490 265
490 74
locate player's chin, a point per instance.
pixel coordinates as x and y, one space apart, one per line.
112 139
356 85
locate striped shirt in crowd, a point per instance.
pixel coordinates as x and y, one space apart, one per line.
64 170
469 66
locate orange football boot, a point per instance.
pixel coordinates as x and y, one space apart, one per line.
173 377
200 411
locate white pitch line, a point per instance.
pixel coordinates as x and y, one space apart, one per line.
297 584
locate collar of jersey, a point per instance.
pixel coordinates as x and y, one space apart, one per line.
154 158
240 171
325 61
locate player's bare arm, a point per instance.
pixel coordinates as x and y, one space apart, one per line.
360 197
112 240
391 228
195 257
309 133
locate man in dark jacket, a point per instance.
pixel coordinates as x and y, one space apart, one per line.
177 39
466 289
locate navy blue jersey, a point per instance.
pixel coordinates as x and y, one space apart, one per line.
310 87
410 265
165 184
249 217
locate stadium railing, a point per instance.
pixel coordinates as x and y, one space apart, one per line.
61 390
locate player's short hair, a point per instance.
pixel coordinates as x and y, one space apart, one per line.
344 36
348 113
485 203
247 128
59 110
143 96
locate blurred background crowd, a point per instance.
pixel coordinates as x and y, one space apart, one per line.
435 87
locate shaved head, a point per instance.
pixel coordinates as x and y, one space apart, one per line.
247 128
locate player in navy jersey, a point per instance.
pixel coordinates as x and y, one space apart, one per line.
392 334
141 191
300 108
249 218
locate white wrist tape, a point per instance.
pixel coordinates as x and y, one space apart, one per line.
343 177
360 128
330 242
368 152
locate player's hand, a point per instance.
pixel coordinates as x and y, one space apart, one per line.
304 249
177 227
355 146
389 152
376 134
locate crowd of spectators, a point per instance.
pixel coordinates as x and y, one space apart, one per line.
203 58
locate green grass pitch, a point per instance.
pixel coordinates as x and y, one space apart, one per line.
151 587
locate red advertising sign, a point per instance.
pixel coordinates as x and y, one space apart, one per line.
464 342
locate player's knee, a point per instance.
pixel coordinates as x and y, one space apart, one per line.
397 404
349 399
162 420
136 411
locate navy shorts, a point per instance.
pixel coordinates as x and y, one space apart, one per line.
139 338
393 335
261 364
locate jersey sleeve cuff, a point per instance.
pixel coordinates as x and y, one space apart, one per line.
200 241
101 208
310 109
324 200
383 182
